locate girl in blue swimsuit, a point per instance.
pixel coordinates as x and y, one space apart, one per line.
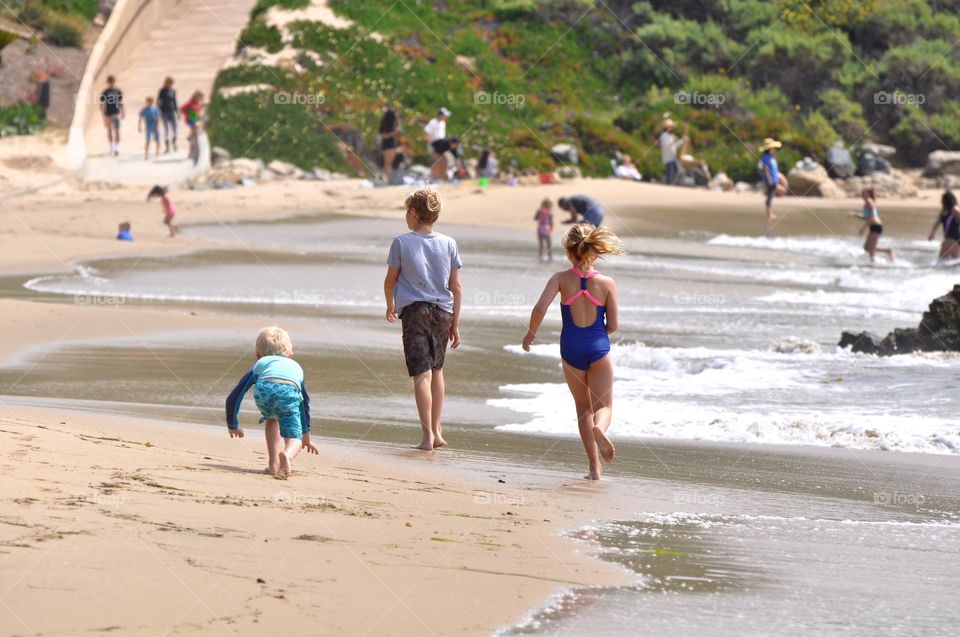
589 312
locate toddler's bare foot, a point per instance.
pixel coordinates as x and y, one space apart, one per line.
270 471
424 446
607 451
439 442
594 474
284 471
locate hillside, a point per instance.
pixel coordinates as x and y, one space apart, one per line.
521 75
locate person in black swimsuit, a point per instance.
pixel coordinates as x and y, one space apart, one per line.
389 140
871 219
949 219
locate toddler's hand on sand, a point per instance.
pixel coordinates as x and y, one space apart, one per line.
309 447
528 341
454 337
236 433
391 314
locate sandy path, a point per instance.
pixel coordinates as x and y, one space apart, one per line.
191 45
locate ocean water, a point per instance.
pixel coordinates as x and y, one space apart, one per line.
730 347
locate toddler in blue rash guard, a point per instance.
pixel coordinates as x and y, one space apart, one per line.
282 399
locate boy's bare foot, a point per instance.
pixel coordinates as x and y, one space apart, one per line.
284 471
270 471
439 443
593 475
424 446
607 451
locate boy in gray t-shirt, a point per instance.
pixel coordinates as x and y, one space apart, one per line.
422 288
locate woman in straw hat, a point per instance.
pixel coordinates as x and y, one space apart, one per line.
775 184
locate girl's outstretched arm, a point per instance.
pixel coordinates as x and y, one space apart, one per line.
540 310
613 316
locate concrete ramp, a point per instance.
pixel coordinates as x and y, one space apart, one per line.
190 41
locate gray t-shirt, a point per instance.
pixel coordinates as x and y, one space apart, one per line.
425 262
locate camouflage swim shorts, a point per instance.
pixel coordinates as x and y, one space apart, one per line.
426 331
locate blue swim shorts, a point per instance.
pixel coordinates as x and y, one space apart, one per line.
153 132
280 401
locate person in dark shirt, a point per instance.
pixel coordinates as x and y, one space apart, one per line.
169 110
581 205
111 107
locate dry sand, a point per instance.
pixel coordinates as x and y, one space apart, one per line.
100 531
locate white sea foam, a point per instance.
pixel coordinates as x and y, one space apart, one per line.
771 397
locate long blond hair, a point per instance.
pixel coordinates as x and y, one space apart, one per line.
586 243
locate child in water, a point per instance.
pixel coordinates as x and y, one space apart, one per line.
949 219
422 288
544 219
123 232
282 399
169 212
589 312
871 220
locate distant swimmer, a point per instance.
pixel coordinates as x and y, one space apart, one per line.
588 308
949 219
871 220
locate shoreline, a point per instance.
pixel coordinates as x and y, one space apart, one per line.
138 498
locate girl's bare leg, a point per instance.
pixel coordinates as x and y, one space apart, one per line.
870 245
577 382
423 393
600 383
271 430
437 390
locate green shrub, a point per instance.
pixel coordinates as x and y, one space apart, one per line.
258 34
263 5
21 119
62 29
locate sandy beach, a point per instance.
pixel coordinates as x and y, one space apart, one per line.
114 520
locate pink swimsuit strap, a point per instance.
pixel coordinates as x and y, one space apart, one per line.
583 288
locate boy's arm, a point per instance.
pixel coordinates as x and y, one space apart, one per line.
457 289
389 285
540 310
233 404
305 420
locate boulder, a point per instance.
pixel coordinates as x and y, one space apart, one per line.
321 174
839 162
880 150
942 162
244 168
939 331
742 186
869 162
282 168
897 184
722 182
219 156
810 179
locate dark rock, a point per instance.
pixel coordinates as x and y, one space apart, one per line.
939 331
862 342
869 162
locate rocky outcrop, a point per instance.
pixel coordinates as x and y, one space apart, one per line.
870 162
939 331
722 182
942 162
810 179
897 184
